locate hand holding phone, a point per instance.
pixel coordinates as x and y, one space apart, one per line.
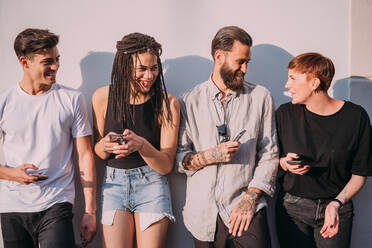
300 162
39 174
237 138
119 138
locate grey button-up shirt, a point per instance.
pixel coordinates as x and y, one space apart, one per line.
217 189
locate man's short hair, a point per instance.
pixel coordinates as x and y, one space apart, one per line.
32 41
316 65
225 37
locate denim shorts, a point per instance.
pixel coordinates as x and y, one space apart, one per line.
141 190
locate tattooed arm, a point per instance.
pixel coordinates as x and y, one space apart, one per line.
220 154
242 214
330 226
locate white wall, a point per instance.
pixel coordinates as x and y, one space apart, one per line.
89 29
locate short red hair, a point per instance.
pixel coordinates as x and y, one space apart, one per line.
315 64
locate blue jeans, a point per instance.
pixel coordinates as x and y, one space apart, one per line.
299 221
49 228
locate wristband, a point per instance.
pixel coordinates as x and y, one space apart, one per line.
339 202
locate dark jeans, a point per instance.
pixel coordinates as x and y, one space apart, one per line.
51 228
257 235
299 221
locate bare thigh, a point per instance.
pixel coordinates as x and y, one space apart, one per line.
154 236
121 233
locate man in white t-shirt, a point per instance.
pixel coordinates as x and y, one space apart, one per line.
41 124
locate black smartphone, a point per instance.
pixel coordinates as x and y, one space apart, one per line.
297 161
237 138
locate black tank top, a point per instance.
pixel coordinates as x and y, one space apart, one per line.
145 125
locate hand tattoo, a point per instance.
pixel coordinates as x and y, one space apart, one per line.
245 206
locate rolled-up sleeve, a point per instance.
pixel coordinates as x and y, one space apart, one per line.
184 142
267 157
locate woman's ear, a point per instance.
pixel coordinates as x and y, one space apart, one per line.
315 84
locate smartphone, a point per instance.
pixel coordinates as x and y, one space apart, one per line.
39 174
297 161
119 138
237 138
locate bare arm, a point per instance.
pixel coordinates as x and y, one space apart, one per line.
87 170
160 160
18 174
331 219
220 154
352 188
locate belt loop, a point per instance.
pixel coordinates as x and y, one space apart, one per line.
112 173
141 172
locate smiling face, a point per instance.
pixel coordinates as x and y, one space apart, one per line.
42 67
301 86
146 71
235 65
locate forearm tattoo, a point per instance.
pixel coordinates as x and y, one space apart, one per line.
217 155
194 161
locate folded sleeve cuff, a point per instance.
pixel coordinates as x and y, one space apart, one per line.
179 158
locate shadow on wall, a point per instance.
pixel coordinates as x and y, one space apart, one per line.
96 72
184 73
268 67
360 93
341 89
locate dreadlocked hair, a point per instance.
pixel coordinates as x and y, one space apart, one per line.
122 77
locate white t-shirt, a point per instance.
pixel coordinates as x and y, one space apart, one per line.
39 130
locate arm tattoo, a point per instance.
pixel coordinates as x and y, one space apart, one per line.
196 161
202 155
218 155
197 157
192 161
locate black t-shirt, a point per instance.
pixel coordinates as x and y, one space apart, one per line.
145 124
336 147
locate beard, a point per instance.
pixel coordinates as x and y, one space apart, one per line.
232 79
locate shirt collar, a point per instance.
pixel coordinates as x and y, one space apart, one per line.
214 92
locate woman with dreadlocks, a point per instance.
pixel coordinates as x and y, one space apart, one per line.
136 124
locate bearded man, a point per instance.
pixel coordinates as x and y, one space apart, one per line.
228 150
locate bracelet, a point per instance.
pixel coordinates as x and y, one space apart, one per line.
337 200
